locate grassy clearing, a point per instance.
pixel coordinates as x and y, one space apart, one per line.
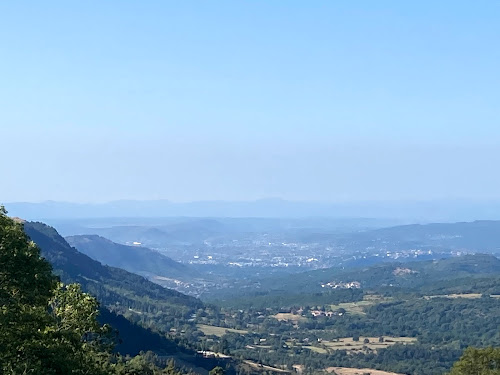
264 367
347 343
355 308
218 331
316 349
374 298
469 295
290 317
453 296
358 308
351 346
357 371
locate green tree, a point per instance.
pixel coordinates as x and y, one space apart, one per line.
478 362
216 371
45 328
49 328
26 285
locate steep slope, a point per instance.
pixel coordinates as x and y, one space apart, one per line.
140 260
117 289
129 303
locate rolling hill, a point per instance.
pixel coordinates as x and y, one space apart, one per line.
140 260
412 276
129 302
119 290
476 236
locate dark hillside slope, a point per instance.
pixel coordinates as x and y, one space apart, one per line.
115 288
127 299
133 338
135 259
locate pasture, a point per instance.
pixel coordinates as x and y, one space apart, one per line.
218 331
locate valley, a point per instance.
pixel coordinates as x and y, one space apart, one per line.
250 188
400 299
220 254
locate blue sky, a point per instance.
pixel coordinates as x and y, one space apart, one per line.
200 100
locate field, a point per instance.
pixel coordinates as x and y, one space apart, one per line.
289 317
316 349
258 346
264 367
467 295
357 371
347 343
218 331
358 308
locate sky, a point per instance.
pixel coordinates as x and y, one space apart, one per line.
329 101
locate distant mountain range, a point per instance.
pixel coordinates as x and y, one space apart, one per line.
409 211
476 236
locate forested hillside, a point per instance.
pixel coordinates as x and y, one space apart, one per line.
150 310
136 259
413 317
112 286
47 327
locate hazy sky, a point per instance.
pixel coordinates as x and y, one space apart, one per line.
239 100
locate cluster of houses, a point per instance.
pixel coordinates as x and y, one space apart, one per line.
329 314
342 285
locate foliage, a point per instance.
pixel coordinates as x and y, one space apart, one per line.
47 327
476 361
117 289
441 327
216 371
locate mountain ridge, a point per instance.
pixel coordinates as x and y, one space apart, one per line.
136 259
100 280
418 211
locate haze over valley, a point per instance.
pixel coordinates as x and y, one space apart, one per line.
270 292
250 187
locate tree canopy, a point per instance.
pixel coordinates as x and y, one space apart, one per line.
47 327
476 361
